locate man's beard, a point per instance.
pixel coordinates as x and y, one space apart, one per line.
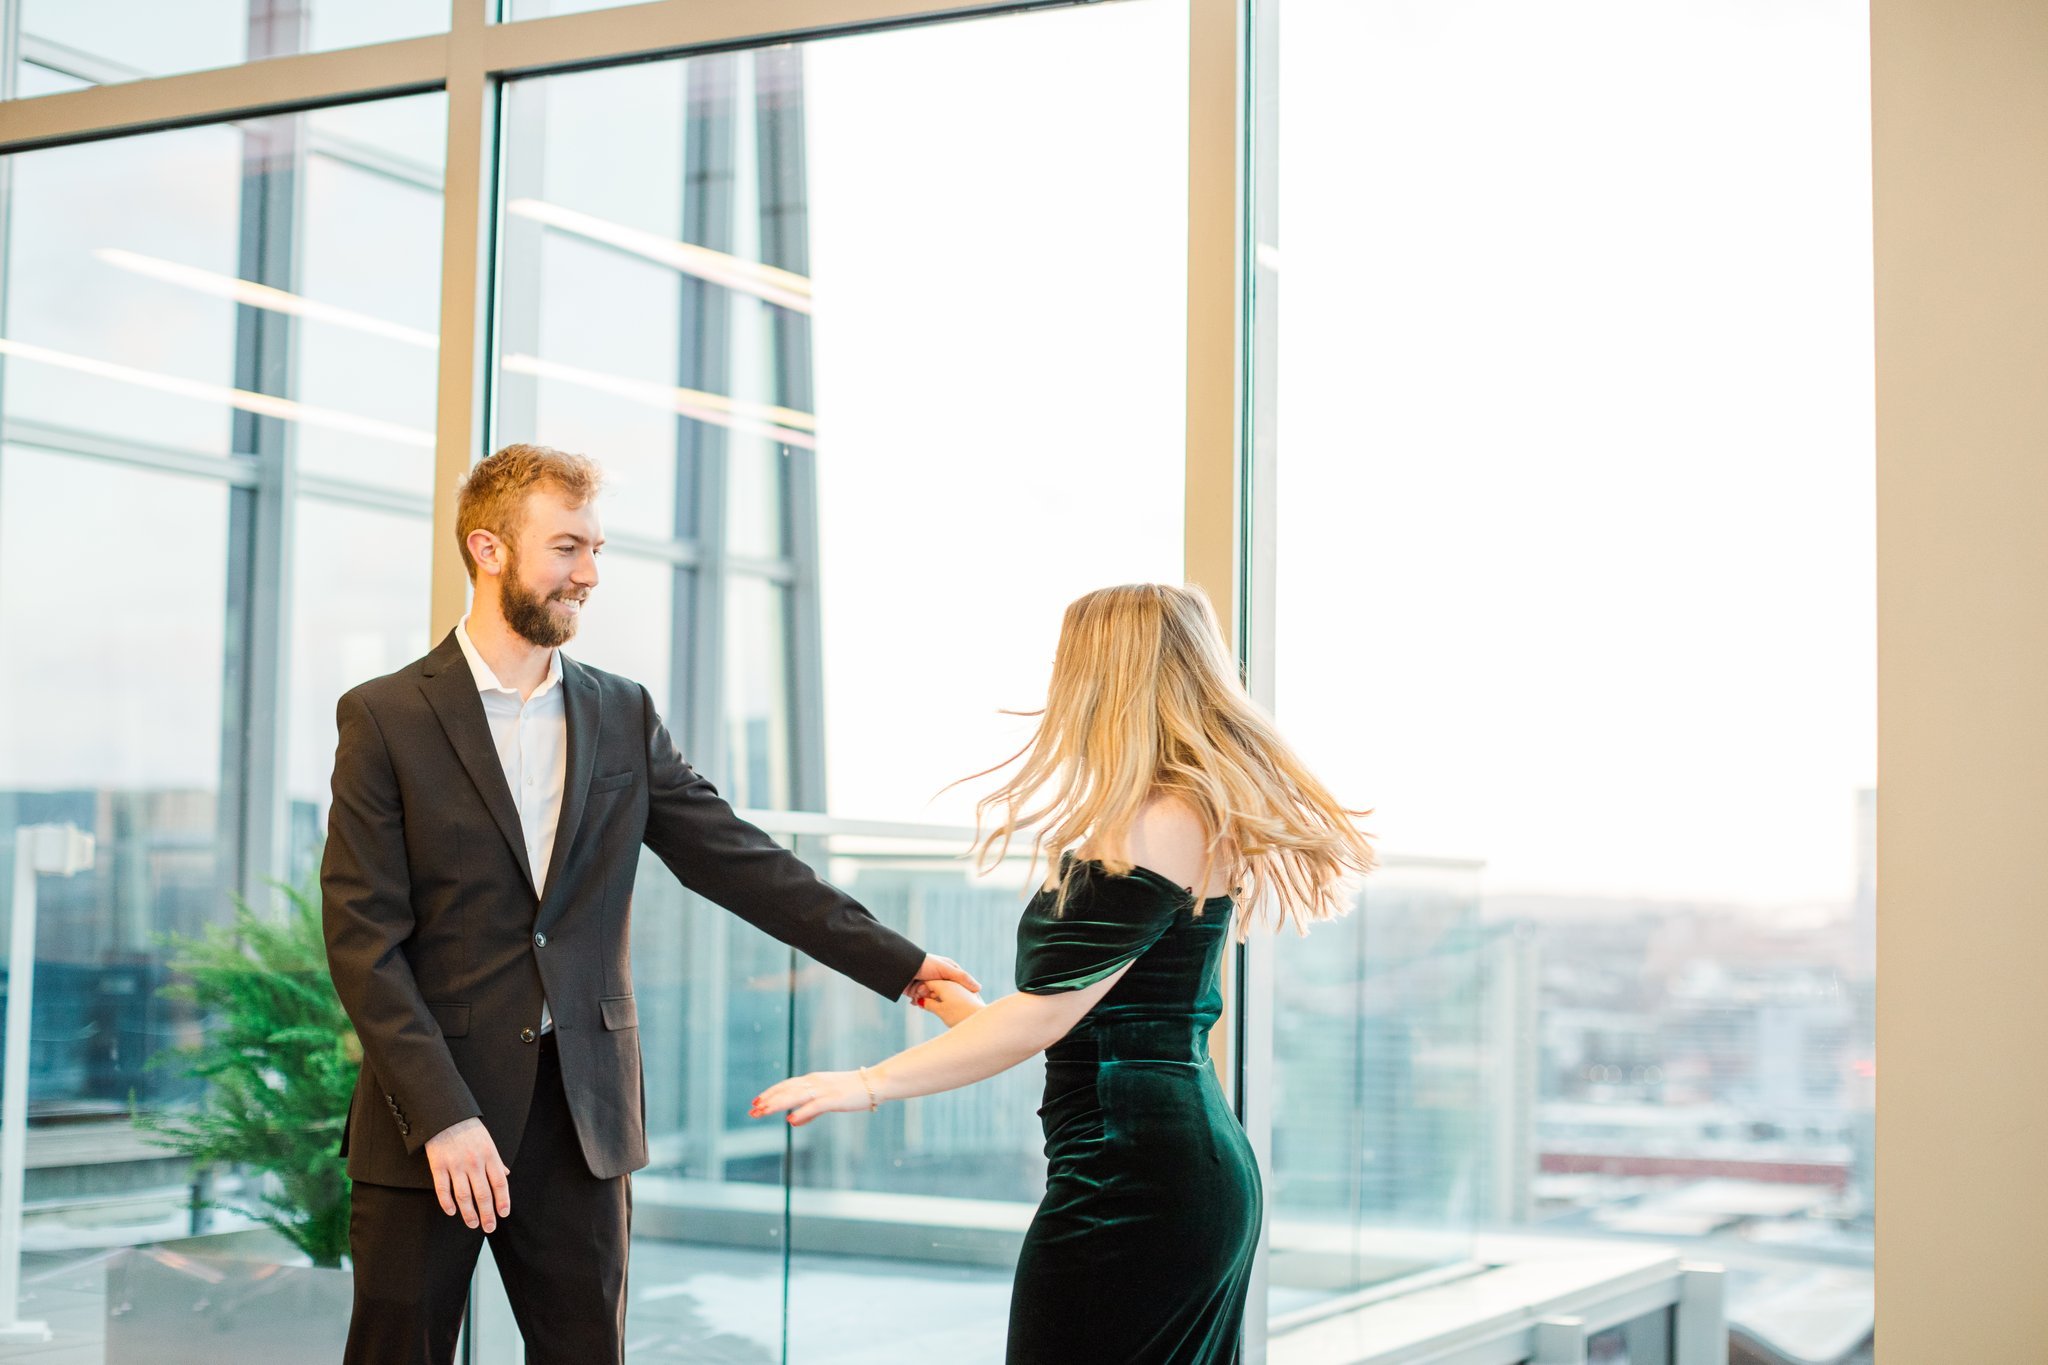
527 613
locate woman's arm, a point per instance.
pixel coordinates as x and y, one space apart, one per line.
992 1039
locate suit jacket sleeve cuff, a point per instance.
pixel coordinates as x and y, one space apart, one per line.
437 1114
893 970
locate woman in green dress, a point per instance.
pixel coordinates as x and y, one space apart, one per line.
1171 813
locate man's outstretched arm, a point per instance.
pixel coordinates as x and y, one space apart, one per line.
721 857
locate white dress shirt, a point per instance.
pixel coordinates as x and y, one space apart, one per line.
532 738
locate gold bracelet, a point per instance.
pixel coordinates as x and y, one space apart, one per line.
869 1086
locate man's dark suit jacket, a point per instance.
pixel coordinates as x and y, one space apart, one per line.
442 947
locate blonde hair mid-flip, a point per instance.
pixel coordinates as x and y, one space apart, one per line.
1146 702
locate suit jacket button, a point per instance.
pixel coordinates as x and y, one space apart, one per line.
540 940
526 1035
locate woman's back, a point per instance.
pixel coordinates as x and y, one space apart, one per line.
1142 1248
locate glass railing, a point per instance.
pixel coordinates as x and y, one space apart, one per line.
1401 1139
751 1237
1390 1112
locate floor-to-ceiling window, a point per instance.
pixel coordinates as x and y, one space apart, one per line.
217 424
883 357
1558 457
1569 408
216 432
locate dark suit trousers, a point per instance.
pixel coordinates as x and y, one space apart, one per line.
561 1253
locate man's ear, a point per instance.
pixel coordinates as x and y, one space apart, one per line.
488 551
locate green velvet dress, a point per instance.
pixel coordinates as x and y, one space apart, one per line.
1141 1252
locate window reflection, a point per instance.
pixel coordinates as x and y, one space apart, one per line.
370 260
758 739
97 327
625 629
359 609
124 685
218 361
106 41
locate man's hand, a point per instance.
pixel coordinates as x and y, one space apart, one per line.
951 1001
468 1174
938 968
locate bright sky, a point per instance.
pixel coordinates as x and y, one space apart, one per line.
1576 434
998 248
1575 428
1575 419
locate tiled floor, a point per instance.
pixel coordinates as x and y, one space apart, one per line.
705 1305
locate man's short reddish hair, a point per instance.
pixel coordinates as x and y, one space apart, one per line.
493 497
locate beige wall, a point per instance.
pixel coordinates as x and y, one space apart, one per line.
1960 100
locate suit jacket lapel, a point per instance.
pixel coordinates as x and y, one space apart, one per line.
580 704
450 689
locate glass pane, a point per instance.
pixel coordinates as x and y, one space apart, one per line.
757 471
1000 381
964 410
707 1262
214 339
538 9
405 138
359 610
371 258
177 330
913 1214
1646 1340
1381 1111
38 80
104 41
109 331
625 628
1573 444
610 315
128 707
758 747
1002 390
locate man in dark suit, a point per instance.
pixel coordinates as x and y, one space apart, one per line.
490 801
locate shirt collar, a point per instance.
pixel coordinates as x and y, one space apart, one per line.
486 680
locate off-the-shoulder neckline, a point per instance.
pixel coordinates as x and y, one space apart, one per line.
1144 873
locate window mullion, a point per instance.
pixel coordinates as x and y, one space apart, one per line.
461 425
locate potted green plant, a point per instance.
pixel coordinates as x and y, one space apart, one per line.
279 1061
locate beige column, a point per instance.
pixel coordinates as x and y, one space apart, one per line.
1215 323
465 288
1960 141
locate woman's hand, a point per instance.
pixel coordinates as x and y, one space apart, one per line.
950 1001
806 1097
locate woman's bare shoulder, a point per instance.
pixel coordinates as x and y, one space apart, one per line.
1169 837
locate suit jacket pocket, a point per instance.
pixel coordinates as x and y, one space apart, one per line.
453 1019
619 1012
611 782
